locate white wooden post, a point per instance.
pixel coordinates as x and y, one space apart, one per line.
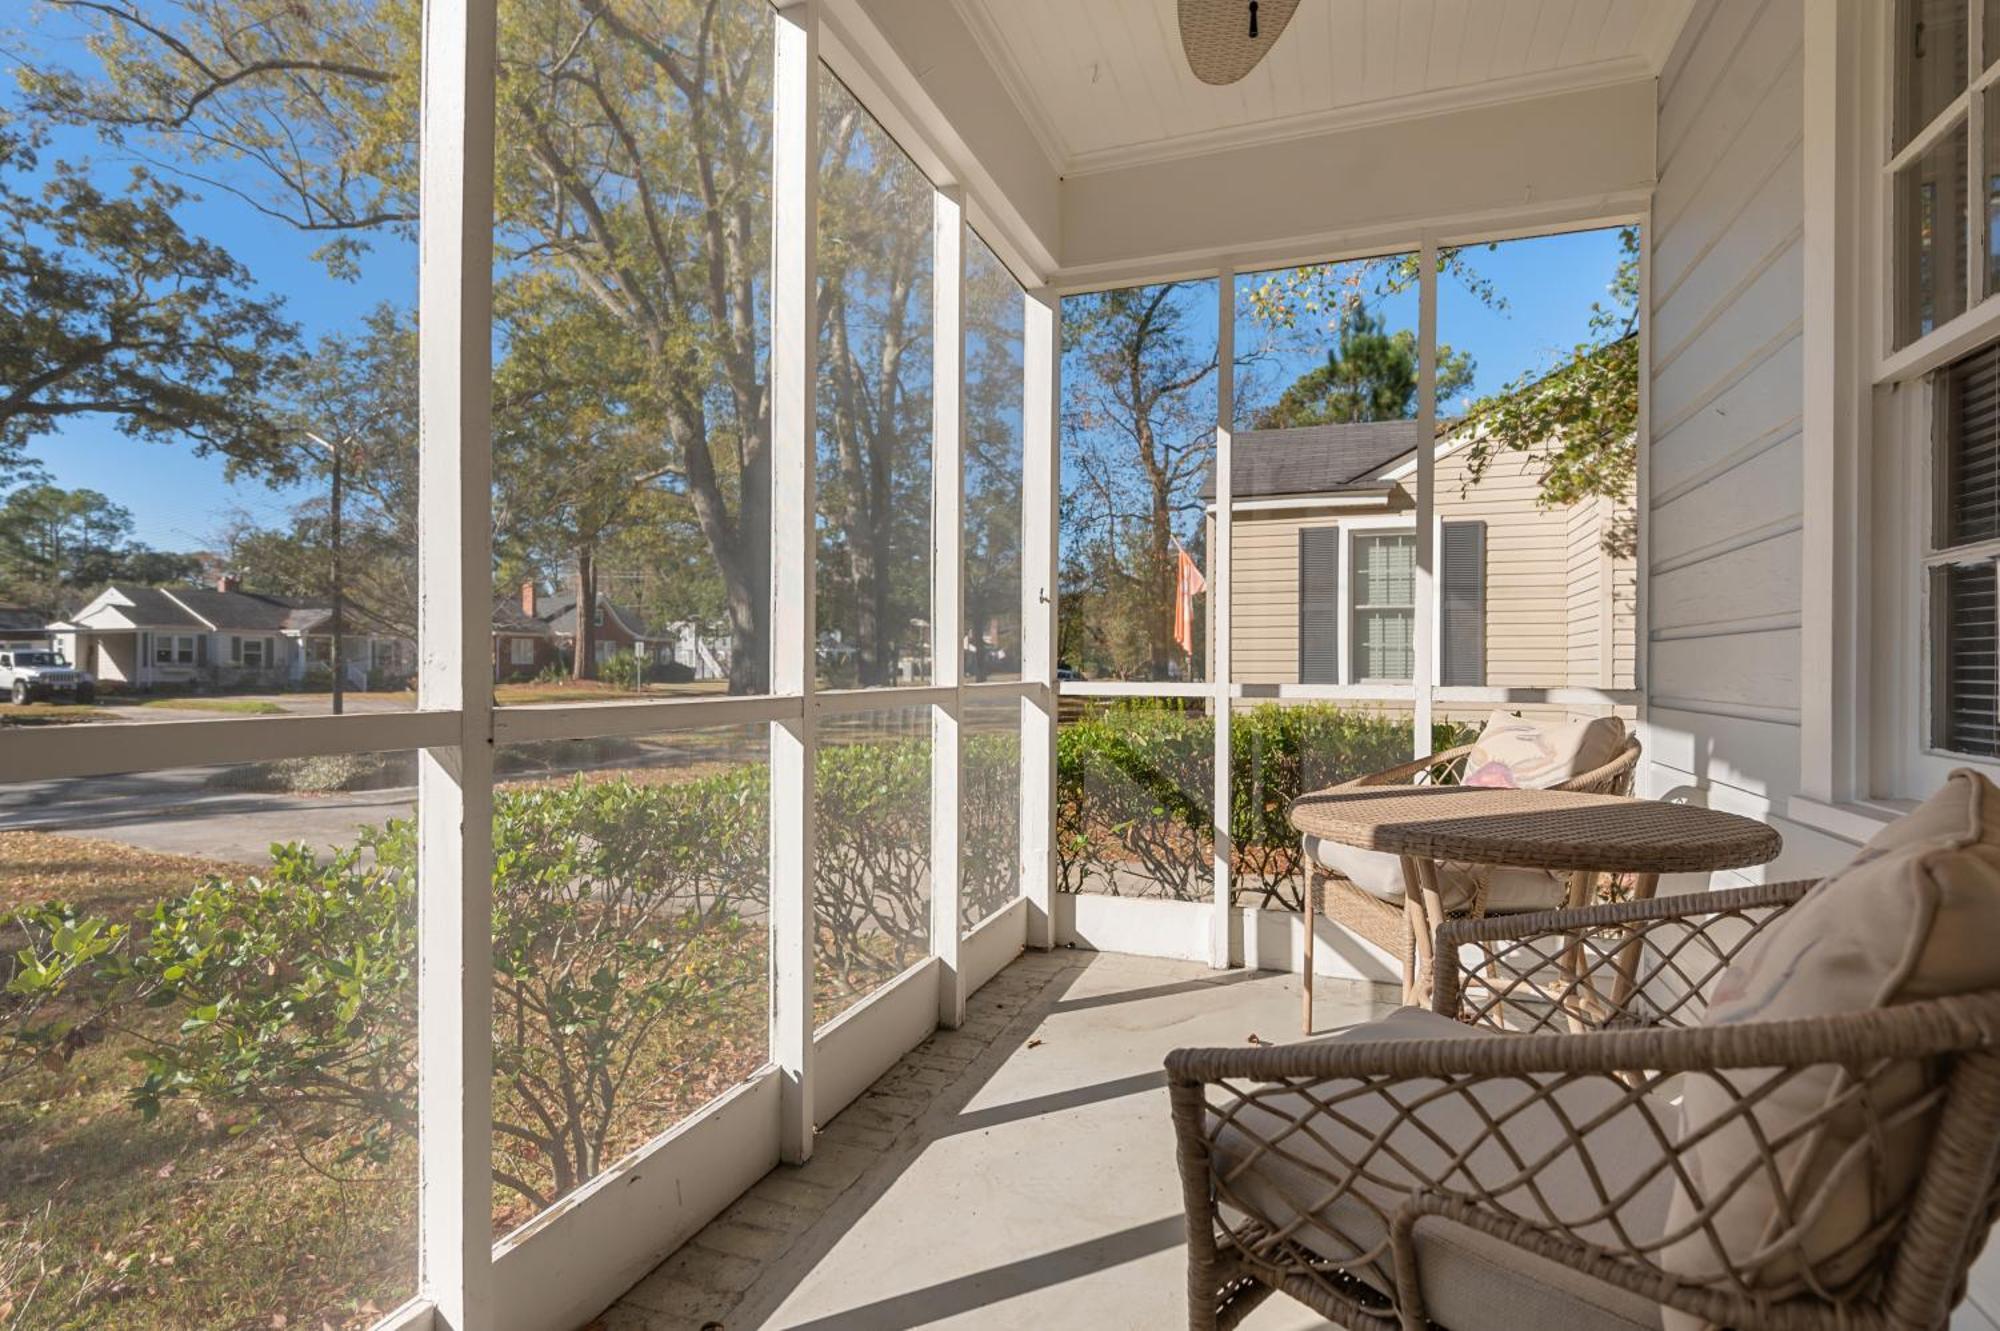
1839 333
1041 490
1424 676
794 372
455 641
1219 607
947 590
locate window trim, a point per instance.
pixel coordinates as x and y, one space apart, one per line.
1895 695
1352 610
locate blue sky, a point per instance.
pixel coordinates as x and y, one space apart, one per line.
181 501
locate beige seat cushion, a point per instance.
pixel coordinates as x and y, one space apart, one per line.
1292 1177
1914 916
1508 890
1531 755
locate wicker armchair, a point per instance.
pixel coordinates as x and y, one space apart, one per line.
1469 1178
1389 925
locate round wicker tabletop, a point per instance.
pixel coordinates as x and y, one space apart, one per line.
1535 829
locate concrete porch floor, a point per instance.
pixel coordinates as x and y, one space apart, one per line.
1018 1172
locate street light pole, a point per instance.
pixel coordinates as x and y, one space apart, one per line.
334 655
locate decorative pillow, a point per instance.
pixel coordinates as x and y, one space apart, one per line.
1912 917
1527 755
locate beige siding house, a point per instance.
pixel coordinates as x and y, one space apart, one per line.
1530 597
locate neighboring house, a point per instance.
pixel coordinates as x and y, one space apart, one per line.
218 637
536 631
19 624
522 644
1324 566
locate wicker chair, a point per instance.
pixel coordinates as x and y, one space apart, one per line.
1488 1172
1388 925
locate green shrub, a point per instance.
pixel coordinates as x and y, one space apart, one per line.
629 958
621 670
1134 804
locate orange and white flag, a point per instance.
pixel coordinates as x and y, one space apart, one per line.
1188 584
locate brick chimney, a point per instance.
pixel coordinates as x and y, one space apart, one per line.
528 598
227 582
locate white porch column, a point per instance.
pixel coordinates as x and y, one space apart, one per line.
794 374
1424 675
1838 346
1220 611
947 591
455 640
1041 490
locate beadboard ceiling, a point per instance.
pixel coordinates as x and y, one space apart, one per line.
1103 82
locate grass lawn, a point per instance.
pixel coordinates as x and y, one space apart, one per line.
50 714
593 690
228 706
197 1220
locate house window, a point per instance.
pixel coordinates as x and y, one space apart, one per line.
1965 692
248 652
521 651
174 649
1944 189
1383 594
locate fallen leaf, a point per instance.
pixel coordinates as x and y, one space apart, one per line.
1257 1039
1034 1043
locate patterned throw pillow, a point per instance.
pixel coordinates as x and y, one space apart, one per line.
1519 754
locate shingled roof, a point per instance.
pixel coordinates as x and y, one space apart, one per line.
1314 459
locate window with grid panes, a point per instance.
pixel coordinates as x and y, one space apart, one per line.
1944 164
1383 593
1944 196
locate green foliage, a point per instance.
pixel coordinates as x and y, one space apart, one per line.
620 670
107 306
1577 422
1370 374
54 948
1134 804
57 546
295 991
626 922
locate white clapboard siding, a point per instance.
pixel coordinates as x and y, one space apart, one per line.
1532 618
1725 486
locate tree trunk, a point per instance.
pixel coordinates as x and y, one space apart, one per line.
585 664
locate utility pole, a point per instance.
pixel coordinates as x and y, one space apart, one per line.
339 600
335 453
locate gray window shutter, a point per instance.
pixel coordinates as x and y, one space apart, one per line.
1319 605
1462 618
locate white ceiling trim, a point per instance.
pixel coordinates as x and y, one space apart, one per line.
1495 92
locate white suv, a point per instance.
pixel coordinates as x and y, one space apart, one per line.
30 674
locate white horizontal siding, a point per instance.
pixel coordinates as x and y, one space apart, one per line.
1724 475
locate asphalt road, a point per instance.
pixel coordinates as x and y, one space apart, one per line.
176 811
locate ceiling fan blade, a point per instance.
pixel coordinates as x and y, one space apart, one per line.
1215 34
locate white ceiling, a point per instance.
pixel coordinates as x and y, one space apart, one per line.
1103 83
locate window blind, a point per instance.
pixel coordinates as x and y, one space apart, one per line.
1965 694
1971 439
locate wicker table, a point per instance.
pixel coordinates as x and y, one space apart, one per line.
1578 835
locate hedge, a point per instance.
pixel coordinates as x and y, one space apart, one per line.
629 953
1134 809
